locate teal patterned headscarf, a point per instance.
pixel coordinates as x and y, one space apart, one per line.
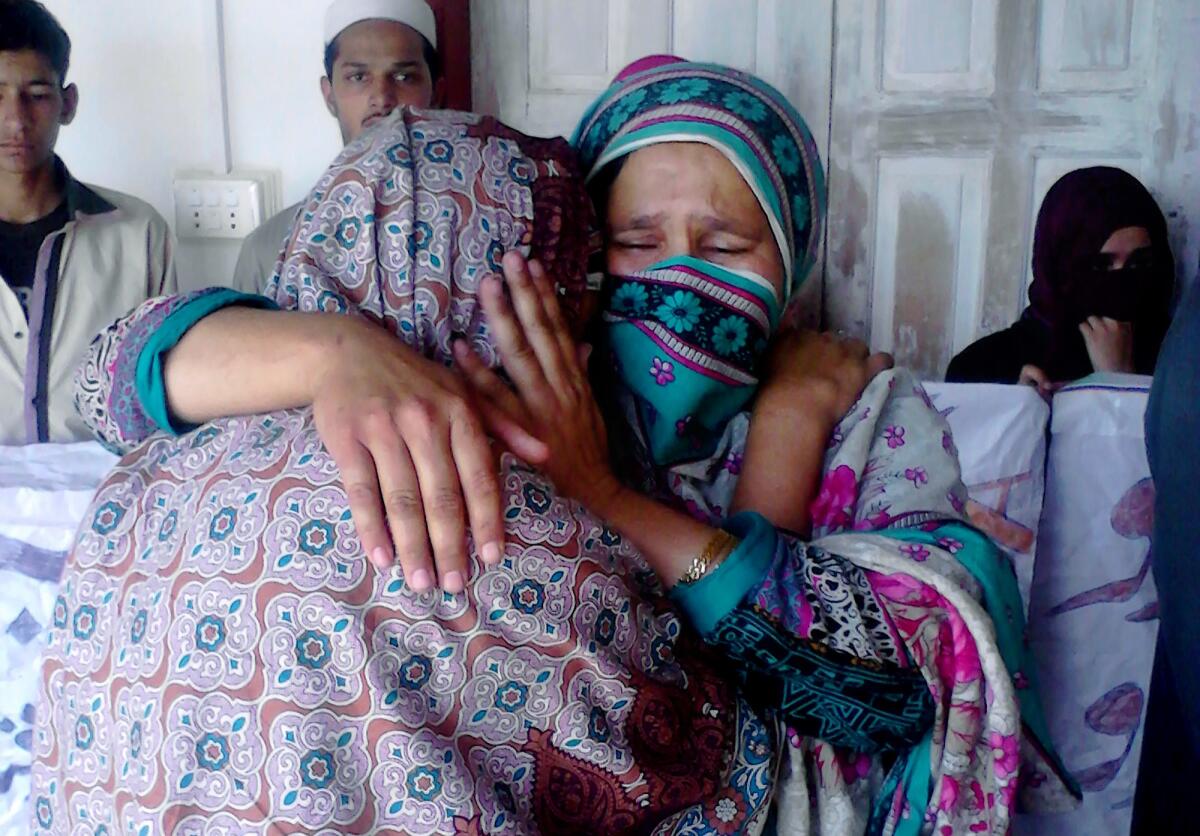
666 99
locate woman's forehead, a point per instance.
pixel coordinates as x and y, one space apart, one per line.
663 182
1127 239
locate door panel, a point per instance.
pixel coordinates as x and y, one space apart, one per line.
940 209
540 63
950 122
958 53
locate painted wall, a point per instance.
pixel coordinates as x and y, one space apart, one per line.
149 80
147 95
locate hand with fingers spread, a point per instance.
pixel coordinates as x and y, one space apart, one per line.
1109 344
553 398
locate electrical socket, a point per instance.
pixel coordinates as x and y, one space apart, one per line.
221 206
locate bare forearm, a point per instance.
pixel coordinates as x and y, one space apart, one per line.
667 538
781 471
240 361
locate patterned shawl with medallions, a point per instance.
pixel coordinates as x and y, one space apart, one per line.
225 657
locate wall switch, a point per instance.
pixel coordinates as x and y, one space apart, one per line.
215 206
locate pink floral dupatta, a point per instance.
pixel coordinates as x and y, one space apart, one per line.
891 502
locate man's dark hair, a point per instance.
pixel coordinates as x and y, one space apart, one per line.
432 59
27 24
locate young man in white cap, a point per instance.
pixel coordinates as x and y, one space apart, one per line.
379 55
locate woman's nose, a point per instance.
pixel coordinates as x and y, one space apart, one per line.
681 243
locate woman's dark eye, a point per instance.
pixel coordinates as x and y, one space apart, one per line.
1140 261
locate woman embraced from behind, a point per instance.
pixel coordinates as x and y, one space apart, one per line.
708 233
224 656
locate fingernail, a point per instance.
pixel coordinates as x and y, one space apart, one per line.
381 558
491 554
421 580
453 583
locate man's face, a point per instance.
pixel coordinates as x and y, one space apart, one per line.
380 65
33 106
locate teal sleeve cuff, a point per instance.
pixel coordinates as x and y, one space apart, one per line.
718 593
150 389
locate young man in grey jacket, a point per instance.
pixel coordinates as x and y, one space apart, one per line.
379 55
73 257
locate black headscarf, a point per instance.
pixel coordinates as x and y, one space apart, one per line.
1080 212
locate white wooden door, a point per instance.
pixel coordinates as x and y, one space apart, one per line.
952 118
537 64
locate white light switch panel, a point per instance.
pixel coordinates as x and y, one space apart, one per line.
215 206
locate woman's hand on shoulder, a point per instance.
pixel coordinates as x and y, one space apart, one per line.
810 381
553 398
413 455
821 372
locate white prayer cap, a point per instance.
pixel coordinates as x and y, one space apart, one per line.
342 14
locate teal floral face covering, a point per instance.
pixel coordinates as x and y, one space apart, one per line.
685 338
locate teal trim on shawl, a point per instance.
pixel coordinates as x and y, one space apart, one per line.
718 593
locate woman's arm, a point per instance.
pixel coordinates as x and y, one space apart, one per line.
811 381
760 606
108 382
241 361
403 431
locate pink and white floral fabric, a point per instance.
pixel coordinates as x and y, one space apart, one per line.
892 466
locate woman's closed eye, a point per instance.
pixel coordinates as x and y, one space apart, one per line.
634 243
727 249
722 246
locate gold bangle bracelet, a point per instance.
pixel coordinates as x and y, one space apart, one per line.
719 547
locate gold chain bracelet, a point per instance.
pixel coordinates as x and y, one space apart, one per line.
719 547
